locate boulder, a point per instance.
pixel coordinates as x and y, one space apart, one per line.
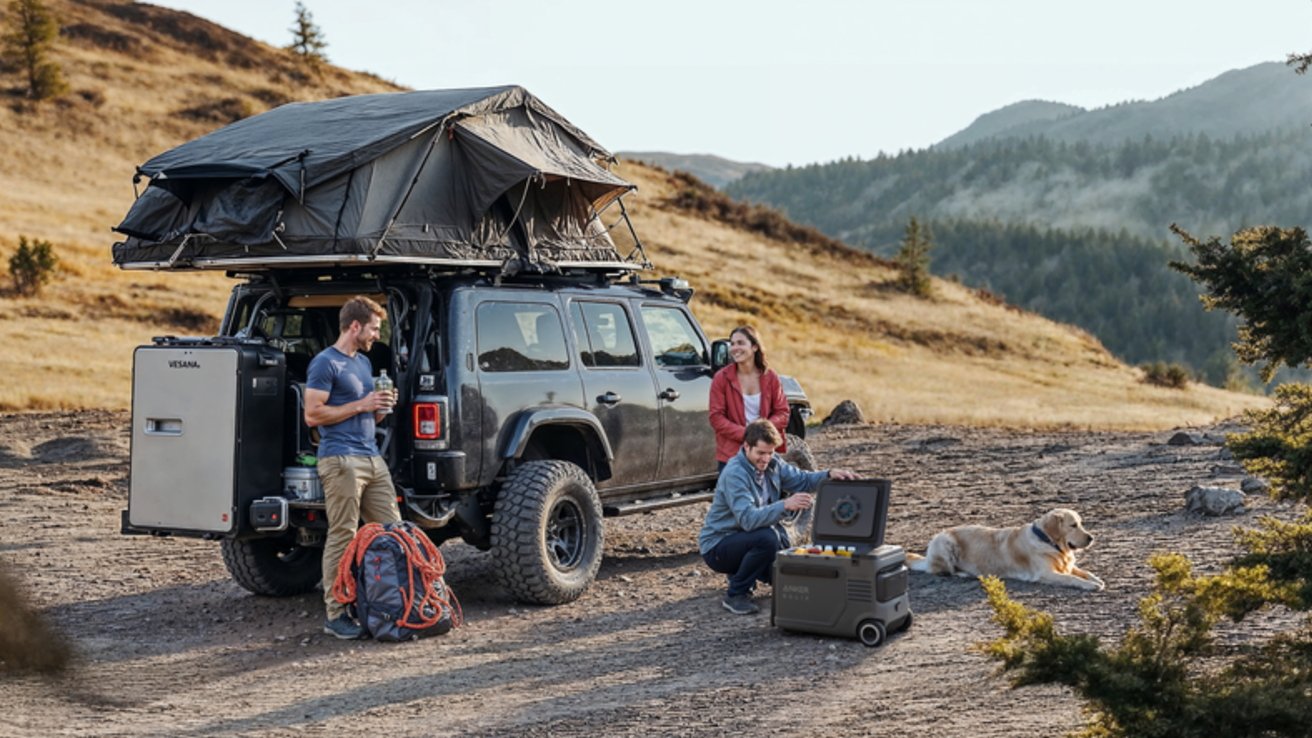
1255 485
1187 438
846 413
1215 501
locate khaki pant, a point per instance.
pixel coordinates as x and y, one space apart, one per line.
353 487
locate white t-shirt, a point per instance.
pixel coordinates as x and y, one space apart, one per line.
752 406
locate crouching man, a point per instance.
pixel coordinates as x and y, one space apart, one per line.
742 532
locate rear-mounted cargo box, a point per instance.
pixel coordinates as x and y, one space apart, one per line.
207 434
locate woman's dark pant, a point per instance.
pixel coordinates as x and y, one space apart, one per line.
747 557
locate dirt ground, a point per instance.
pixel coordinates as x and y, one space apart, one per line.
165 643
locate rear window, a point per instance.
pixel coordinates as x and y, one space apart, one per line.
520 337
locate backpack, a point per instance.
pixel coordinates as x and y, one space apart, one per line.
392 575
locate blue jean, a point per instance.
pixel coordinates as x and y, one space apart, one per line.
747 557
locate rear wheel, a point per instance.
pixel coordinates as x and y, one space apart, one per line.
798 453
798 523
547 532
276 567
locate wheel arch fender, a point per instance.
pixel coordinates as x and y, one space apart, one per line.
540 422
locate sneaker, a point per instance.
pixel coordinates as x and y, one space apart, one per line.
343 627
740 605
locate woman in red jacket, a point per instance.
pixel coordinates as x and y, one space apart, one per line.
744 391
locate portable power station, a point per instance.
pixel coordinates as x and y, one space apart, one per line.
847 582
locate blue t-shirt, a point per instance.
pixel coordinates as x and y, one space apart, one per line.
346 380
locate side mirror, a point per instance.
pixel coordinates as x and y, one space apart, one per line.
720 354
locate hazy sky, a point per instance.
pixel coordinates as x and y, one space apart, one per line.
790 83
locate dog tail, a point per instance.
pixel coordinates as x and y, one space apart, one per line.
916 562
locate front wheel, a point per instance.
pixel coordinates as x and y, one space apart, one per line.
276 567
547 533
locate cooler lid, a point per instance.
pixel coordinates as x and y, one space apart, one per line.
851 513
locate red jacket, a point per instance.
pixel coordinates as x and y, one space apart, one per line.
729 418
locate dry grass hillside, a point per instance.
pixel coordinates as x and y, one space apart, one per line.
145 79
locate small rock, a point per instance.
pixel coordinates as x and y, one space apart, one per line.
1227 470
846 412
279 639
305 641
305 613
1255 485
1225 454
1186 438
1215 501
626 578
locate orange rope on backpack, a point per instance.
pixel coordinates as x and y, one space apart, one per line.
426 562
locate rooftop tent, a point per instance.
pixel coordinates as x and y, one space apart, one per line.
488 176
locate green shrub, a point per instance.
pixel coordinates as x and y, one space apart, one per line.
32 265
1163 374
1278 446
1154 684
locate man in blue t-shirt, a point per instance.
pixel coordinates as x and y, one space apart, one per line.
340 400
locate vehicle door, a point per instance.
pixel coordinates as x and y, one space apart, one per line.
523 362
618 388
682 367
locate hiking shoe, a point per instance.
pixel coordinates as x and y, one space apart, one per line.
343 627
740 605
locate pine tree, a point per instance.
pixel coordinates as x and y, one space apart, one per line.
27 44
913 260
307 39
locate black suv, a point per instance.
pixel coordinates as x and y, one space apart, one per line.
529 408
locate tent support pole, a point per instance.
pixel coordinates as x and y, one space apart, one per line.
637 242
391 221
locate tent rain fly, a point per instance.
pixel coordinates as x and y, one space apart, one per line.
487 177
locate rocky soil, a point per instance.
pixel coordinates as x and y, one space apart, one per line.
164 643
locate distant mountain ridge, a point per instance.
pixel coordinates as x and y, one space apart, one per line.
1241 102
1072 202
1014 117
716 171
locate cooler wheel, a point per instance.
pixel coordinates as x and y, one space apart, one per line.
870 633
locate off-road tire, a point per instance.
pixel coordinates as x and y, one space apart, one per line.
799 454
276 567
547 533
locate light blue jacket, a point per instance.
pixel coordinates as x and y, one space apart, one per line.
736 507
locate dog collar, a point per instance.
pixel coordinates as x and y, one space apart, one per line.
1043 536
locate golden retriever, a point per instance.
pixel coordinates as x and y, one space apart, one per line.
1043 551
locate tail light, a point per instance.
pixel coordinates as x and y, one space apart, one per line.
430 424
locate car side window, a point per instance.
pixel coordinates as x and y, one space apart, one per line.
604 335
520 337
674 341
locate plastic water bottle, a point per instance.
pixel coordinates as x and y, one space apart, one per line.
384 384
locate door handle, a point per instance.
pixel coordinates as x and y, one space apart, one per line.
609 399
669 394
